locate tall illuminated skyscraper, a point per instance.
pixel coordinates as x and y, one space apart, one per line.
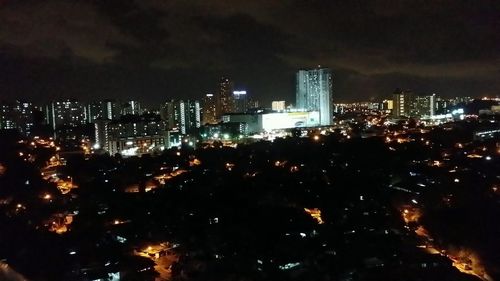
314 93
225 98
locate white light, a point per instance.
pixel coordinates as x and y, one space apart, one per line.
96 146
488 158
216 135
239 92
129 143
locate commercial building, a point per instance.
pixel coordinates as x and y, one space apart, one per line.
266 122
314 93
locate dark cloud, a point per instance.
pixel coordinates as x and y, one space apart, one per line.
156 49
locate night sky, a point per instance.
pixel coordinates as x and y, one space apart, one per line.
153 50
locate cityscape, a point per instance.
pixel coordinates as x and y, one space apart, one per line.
237 177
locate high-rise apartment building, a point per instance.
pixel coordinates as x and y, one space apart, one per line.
105 109
423 106
7 116
407 104
132 107
314 93
402 100
209 109
18 115
225 98
182 115
70 113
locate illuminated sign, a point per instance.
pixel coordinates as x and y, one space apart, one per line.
237 93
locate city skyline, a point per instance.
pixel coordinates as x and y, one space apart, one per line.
150 50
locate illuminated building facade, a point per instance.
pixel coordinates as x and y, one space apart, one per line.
105 109
314 93
18 115
225 98
209 109
68 113
7 116
131 135
424 106
407 104
278 105
266 122
132 107
401 103
182 115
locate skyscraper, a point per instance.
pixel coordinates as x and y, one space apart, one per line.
209 107
314 93
225 99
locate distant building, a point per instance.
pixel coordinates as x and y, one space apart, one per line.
407 104
18 115
132 108
387 106
209 109
24 116
69 113
269 121
278 105
401 103
105 109
423 106
252 103
131 135
314 93
182 115
240 101
225 98
7 116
